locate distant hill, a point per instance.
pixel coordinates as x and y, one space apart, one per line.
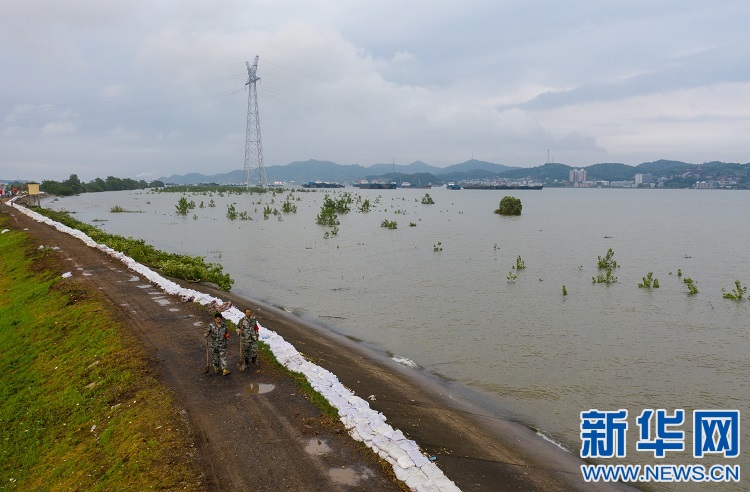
660 166
473 165
422 173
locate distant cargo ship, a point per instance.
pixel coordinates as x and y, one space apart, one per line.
365 185
322 184
453 186
407 184
502 187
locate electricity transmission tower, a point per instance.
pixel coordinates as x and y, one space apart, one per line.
255 173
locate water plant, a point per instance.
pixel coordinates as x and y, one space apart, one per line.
692 288
183 206
389 224
509 206
212 203
649 281
231 212
564 290
607 261
520 265
437 247
365 205
605 279
288 207
412 224
116 209
738 293
511 276
427 199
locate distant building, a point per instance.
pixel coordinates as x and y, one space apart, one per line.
643 179
577 175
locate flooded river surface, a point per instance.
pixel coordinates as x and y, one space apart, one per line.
437 293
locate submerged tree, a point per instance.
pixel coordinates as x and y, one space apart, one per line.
509 206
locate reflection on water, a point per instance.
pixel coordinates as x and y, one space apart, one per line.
542 356
259 388
349 476
317 447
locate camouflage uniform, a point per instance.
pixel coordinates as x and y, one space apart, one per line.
247 326
218 336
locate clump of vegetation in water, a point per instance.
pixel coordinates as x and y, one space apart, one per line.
607 261
231 212
649 281
738 293
389 224
509 206
365 206
288 207
190 268
412 224
331 233
437 247
184 206
116 209
607 278
427 199
564 290
520 265
511 276
692 288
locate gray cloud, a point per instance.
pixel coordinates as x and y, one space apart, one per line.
144 88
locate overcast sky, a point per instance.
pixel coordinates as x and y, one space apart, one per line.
147 88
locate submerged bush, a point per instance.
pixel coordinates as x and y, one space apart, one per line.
509 206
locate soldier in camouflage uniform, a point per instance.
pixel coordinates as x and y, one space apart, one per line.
218 333
248 329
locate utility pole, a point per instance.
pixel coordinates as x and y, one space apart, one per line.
255 173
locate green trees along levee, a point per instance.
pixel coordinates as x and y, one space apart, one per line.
509 206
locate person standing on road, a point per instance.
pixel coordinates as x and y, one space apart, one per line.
218 333
248 329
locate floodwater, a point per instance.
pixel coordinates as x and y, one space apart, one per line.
437 294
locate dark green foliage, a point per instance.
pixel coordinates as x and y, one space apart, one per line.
738 293
607 261
649 281
509 206
692 287
605 279
191 268
74 186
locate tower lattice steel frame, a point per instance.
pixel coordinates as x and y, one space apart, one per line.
255 173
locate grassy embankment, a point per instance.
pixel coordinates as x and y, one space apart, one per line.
190 268
78 411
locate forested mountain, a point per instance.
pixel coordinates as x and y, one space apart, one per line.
681 174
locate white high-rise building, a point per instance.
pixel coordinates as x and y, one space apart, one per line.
577 175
